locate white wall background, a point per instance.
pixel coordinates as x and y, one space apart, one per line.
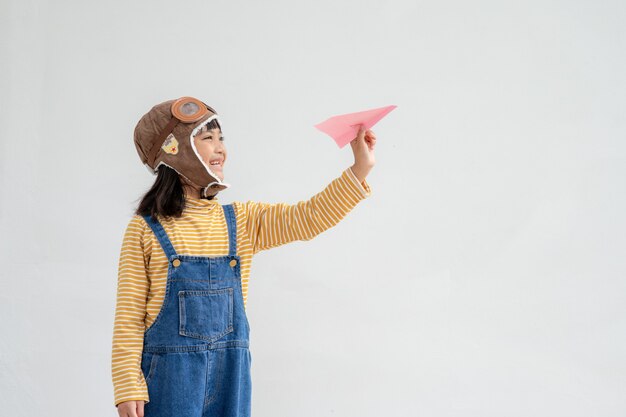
483 277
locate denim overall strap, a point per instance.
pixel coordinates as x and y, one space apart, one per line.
161 235
231 222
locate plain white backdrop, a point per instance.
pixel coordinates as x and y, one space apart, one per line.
485 275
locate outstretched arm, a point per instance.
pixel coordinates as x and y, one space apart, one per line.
271 225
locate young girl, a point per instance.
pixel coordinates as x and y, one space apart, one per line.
181 335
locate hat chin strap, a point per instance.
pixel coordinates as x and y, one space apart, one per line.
203 190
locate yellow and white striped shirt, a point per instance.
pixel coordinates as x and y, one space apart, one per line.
202 231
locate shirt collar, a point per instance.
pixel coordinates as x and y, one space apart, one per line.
200 204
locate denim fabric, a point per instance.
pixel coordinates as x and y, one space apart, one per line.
196 358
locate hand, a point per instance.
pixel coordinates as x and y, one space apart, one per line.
363 149
130 408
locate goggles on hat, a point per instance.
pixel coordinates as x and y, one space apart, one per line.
185 110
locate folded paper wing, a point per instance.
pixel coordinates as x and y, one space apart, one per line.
344 127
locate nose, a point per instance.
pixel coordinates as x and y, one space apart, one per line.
220 150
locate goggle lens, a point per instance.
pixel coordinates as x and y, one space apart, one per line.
189 109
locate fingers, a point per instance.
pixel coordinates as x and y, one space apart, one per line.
359 136
370 142
366 134
370 139
362 132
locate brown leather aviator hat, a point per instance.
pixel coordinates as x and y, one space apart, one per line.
164 136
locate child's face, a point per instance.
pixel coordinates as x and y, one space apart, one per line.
210 146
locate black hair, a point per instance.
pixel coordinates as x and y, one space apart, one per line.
166 197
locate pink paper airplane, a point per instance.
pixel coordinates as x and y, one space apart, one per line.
344 127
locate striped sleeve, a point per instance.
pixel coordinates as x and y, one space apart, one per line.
130 310
271 225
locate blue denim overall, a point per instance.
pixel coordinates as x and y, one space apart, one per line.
196 358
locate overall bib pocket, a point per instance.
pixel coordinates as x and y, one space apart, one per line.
205 314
